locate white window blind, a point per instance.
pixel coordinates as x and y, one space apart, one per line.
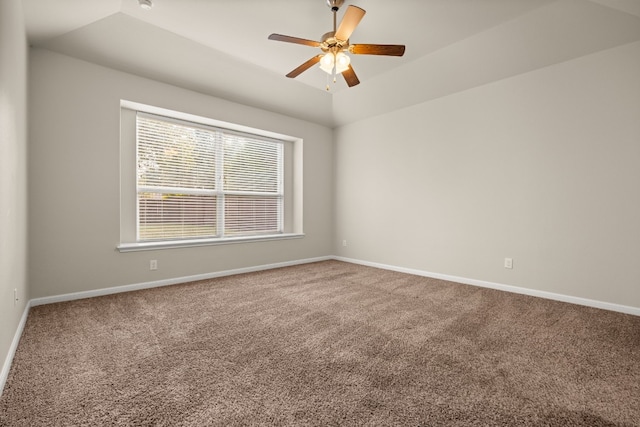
197 181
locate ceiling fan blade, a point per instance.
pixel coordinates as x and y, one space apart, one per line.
350 21
350 76
377 49
305 66
296 40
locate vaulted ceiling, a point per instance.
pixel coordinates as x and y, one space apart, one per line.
220 47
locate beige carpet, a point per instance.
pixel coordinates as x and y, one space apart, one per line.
324 344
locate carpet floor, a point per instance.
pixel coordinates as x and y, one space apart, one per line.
324 344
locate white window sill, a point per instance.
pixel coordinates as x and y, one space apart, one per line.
172 244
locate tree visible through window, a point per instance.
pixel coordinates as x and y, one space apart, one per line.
196 181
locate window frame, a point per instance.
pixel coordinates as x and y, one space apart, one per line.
292 177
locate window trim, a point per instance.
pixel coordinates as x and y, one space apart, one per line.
170 244
128 182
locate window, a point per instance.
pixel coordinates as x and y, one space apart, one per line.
196 182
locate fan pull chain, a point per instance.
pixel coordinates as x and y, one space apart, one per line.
334 73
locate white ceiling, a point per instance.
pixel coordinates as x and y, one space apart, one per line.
220 47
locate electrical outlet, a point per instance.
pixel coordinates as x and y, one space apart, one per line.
153 264
344 243
508 263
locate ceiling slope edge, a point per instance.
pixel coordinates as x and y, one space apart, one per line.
628 6
50 19
127 44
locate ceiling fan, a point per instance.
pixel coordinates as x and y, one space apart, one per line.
334 44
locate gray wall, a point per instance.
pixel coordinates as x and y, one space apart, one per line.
13 172
74 180
543 167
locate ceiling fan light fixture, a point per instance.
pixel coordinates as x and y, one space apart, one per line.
327 62
342 62
334 61
145 4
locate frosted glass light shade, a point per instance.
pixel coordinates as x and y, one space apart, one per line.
326 63
342 62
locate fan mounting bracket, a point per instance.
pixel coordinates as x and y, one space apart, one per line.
335 5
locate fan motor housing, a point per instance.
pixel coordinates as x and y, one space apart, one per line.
330 43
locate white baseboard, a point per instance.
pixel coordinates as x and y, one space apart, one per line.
6 366
166 282
501 287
